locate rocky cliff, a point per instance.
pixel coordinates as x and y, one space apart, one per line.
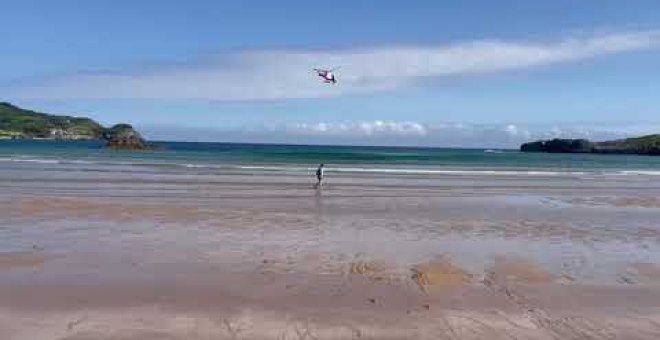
645 145
123 136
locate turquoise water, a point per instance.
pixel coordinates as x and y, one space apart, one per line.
339 158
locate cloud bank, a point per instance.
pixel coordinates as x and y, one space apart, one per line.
276 75
364 129
402 133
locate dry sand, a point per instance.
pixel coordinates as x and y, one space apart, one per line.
10 260
439 274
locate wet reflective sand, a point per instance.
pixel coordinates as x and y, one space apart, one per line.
115 253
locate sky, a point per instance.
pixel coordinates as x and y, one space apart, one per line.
426 73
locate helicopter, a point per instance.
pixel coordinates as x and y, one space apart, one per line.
327 75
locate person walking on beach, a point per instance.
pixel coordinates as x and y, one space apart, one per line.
319 176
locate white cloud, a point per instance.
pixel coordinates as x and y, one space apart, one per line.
404 133
374 128
273 75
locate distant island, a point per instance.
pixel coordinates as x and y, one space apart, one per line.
18 123
645 145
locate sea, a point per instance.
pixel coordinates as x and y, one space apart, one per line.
300 159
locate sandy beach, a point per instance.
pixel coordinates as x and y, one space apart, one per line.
114 252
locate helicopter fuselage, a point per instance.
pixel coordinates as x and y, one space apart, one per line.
328 76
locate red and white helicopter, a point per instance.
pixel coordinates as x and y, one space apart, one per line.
327 75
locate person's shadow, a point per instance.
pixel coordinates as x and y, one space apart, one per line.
318 200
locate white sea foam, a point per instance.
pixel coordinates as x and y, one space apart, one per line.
639 172
30 160
418 171
342 169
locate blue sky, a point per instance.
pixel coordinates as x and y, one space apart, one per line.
442 73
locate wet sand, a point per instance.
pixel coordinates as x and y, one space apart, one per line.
115 253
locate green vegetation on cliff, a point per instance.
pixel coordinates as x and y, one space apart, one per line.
648 145
16 122
645 145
